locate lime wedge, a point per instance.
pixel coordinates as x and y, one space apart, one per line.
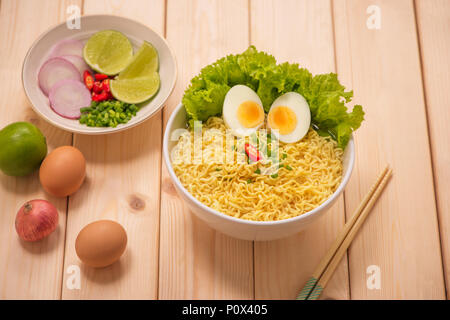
108 52
144 63
135 90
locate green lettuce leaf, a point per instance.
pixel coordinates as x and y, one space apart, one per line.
326 96
205 102
206 93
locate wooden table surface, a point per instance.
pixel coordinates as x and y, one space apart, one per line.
400 73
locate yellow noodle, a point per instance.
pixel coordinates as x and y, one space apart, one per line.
316 173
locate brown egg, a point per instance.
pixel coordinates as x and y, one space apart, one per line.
62 172
101 243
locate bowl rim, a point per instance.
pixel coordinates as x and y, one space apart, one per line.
304 216
105 130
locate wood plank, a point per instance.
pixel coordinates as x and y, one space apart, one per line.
401 234
433 22
27 270
122 169
282 267
195 261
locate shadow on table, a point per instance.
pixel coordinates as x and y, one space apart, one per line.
107 275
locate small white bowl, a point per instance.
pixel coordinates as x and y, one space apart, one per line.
135 31
240 228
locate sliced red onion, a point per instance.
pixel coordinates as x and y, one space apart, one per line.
68 96
67 47
78 62
55 70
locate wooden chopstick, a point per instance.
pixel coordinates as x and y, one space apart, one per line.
329 262
311 283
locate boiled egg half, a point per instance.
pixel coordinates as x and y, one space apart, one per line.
289 117
242 111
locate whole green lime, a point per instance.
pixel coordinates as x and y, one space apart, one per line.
22 148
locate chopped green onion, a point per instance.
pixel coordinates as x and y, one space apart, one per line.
109 113
274 176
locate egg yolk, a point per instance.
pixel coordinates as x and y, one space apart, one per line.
250 114
283 119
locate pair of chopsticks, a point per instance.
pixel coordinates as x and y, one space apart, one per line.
319 279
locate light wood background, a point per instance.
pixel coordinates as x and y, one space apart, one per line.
400 73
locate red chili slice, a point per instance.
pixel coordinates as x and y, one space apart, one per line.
100 97
97 87
100 76
252 153
105 85
88 80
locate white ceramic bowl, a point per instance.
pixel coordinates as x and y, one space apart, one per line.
135 31
239 228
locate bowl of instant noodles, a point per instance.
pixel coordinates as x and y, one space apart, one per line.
260 150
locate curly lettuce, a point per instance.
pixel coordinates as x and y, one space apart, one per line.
258 70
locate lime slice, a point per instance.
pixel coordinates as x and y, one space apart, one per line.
108 52
144 63
135 90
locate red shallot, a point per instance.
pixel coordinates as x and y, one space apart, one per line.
36 219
